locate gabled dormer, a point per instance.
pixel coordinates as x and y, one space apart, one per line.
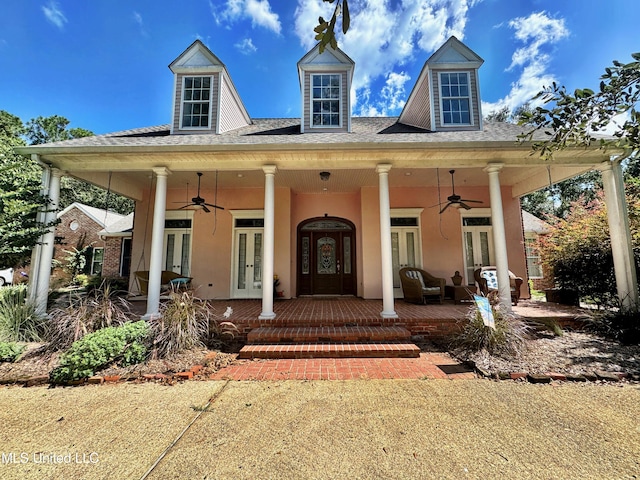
446 95
205 99
325 86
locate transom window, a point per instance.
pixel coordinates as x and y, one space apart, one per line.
325 100
456 99
196 101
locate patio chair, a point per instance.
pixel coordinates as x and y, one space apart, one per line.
487 280
418 284
168 280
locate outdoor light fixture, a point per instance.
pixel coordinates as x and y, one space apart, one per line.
324 176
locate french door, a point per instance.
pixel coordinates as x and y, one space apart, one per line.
478 245
247 275
177 251
405 252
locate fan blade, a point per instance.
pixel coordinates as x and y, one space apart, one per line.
445 207
465 206
186 206
470 201
214 206
204 207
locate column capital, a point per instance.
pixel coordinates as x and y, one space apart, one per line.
383 168
56 172
161 171
269 169
494 167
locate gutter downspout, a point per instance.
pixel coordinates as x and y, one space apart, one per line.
34 271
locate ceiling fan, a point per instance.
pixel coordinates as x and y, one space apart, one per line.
454 199
198 201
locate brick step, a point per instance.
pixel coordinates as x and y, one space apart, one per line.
356 334
331 350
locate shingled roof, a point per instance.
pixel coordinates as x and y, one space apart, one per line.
286 131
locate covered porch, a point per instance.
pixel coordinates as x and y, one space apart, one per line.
351 327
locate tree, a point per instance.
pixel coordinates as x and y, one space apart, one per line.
325 31
576 119
577 250
54 129
502 115
555 199
20 197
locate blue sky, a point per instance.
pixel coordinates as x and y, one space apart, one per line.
103 64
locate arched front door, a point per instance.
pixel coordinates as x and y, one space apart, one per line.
326 257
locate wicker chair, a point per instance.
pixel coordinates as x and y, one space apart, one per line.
168 280
487 282
418 284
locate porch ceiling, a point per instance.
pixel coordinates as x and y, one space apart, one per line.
523 179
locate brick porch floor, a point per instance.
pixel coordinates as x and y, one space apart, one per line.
340 311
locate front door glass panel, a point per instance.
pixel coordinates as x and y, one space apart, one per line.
326 252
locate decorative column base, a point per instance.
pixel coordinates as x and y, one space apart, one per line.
384 314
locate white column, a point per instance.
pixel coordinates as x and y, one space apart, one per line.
269 243
388 308
157 240
499 236
619 231
48 240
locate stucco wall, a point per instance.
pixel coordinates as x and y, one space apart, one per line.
442 252
211 265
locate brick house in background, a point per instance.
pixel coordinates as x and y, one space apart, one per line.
534 227
108 233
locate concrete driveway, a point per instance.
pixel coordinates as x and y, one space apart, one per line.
321 429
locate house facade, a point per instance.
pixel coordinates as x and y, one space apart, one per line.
534 229
329 203
107 234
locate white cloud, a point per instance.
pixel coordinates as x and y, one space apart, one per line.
537 32
258 11
140 22
384 36
390 100
138 18
246 46
54 14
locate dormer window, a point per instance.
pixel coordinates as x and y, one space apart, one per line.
325 100
455 98
196 102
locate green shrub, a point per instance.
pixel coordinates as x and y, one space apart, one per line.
507 339
86 313
577 249
10 351
124 345
621 323
117 285
186 322
19 321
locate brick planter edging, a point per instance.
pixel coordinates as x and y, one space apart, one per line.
102 379
552 376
